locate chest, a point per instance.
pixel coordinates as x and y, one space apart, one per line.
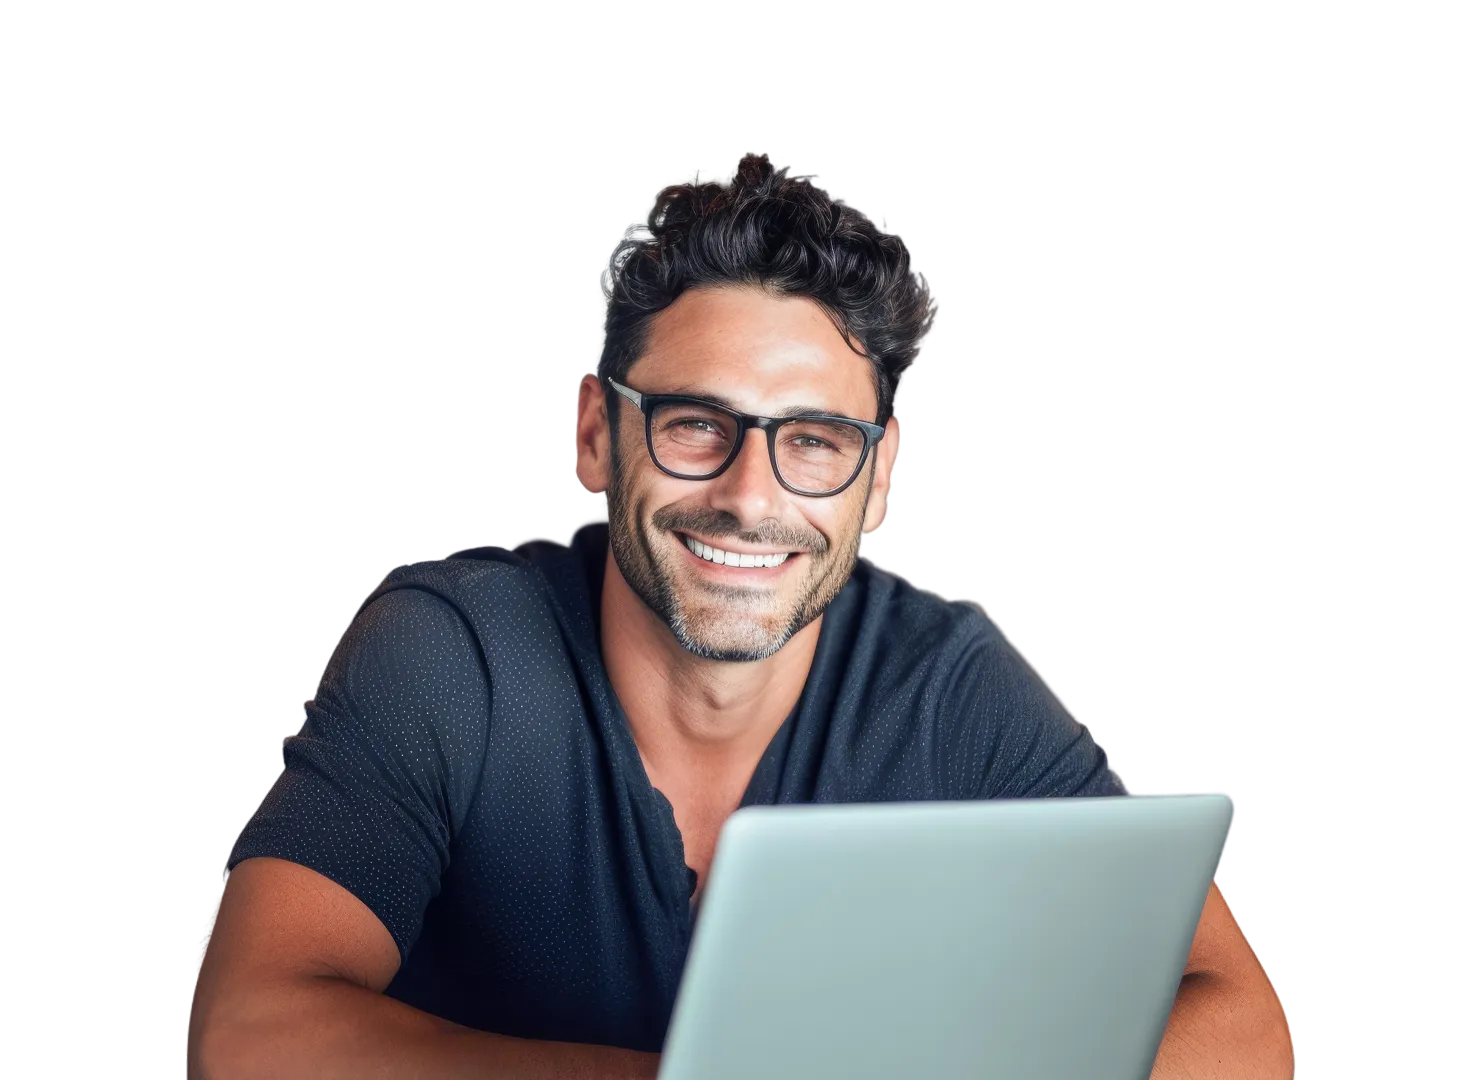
699 822
702 796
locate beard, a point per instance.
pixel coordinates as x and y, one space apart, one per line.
717 621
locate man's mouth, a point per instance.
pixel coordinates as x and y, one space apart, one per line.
722 557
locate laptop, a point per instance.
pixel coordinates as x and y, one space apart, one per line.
1030 938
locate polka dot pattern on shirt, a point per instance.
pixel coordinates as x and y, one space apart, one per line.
467 772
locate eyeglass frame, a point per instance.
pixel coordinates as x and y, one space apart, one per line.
647 403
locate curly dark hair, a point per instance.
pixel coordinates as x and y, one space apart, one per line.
779 233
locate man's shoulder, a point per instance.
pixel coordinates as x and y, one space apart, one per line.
927 686
962 690
497 590
465 576
914 619
899 649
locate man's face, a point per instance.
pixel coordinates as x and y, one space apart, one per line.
764 355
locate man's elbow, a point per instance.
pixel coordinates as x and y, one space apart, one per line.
205 1060
1278 1040
212 1053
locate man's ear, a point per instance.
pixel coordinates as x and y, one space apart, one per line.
594 438
885 452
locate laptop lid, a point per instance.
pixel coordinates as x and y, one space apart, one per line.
1035 938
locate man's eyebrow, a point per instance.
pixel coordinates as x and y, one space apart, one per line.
720 399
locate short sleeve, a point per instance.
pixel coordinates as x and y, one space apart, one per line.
1007 736
382 774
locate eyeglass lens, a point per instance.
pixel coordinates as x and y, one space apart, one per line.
811 455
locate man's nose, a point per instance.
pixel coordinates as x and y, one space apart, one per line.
748 488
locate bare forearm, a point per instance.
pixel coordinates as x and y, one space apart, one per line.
1221 1029
328 1028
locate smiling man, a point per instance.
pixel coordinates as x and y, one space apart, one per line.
485 854
726 552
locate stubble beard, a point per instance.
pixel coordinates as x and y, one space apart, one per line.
732 626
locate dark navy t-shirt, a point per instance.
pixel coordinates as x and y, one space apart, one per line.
466 771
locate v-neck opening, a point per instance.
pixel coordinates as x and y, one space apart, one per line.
764 785
761 789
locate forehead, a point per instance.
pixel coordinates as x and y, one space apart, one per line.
762 352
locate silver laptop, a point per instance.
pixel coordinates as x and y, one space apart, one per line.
1035 938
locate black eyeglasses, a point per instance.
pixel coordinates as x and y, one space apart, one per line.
693 438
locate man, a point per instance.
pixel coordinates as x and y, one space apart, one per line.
484 856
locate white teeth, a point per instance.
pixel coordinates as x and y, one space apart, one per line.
732 558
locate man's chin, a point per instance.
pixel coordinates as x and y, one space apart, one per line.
728 649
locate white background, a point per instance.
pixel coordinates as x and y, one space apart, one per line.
293 294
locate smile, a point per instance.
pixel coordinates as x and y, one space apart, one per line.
732 558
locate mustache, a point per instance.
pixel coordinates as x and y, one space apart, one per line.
723 526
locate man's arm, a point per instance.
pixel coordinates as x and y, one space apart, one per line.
291 986
1226 1020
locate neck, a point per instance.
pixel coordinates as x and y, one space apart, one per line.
690 715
